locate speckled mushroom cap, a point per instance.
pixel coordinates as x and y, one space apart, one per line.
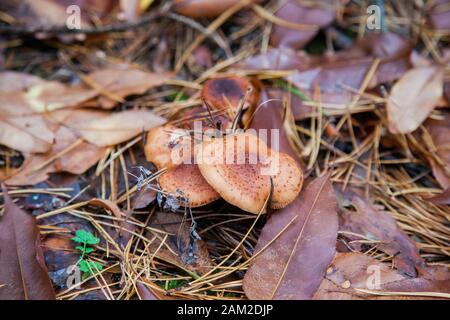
188 179
246 183
227 92
238 180
164 147
287 183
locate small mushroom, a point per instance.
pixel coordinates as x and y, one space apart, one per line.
238 167
228 164
186 180
166 146
287 183
226 93
170 147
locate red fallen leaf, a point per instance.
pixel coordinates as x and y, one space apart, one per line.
144 292
318 14
191 254
375 224
293 265
443 198
438 16
439 131
22 269
203 8
413 98
352 271
268 116
341 74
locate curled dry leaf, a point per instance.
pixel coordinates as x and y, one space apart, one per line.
413 98
117 127
292 266
22 267
317 15
377 225
179 247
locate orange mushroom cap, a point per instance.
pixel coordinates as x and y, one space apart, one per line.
228 165
188 179
227 92
239 168
167 146
287 183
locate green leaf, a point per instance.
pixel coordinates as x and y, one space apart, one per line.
87 266
95 266
84 266
86 236
85 250
76 239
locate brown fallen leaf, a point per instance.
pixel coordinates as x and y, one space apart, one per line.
22 267
439 130
203 8
25 133
269 116
443 198
117 127
413 98
179 247
357 276
293 265
438 15
375 224
68 154
353 270
318 14
123 80
103 87
341 74
11 81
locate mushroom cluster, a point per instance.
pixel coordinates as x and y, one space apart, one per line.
237 166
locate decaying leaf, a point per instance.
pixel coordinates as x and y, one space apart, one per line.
377 225
117 127
22 267
357 276
203 8
316 15
439 131
179 247
292 266
413 97
443 198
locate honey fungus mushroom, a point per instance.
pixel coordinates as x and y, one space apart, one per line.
227 93
166 145
183 178
239 167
